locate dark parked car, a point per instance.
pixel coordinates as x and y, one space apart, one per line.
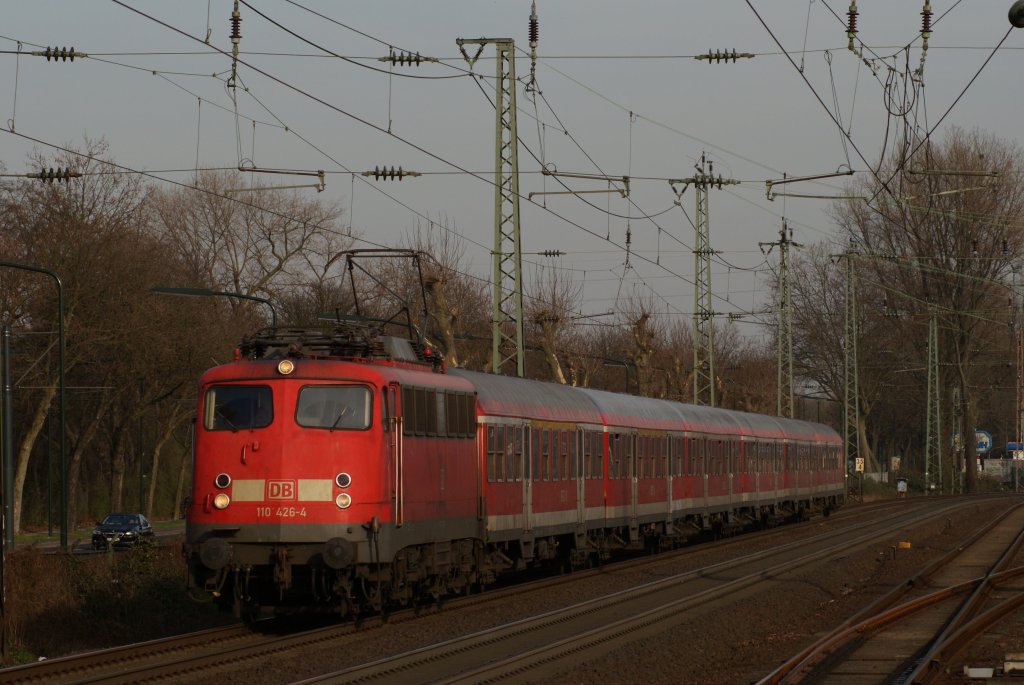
122 530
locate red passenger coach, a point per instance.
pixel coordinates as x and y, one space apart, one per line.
540 445
346 471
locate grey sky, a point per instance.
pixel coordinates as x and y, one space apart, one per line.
597 62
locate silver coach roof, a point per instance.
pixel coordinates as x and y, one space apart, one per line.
525 398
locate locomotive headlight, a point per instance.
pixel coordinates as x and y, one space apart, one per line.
343 500
285 367
221 500
222 480
343 480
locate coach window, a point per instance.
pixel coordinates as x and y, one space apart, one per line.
234 407
649 456
594 440
535 443
568 438
334 407
490 454
627 461
545 454
499 453
557 447
614 455
556 453
517 451
510 458
588 466
617 456
638 464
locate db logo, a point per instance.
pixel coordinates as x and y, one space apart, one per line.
280 489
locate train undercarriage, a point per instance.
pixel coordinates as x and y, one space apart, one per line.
293 579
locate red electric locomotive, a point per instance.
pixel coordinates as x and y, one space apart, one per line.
346 471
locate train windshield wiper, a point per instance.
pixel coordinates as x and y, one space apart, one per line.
341 414
231 425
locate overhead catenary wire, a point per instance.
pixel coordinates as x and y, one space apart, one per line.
419 147
254 120
186 186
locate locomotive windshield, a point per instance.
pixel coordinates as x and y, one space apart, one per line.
346 407
236 407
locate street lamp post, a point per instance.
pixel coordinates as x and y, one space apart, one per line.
60 392
206 292
625 365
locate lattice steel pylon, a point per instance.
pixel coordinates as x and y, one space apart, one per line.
507 269
851 390
784 323
703 314
933 424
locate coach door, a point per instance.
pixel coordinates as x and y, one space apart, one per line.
632 441
397 466
577 456
521 442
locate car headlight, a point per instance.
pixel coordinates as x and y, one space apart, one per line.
221 500
343 500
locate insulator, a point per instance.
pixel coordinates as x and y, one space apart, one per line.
63 54
58 175
926 19
404 58
387 174
851 24
236 25
552 253
534 26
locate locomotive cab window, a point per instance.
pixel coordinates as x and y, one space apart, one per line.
237 407
334 407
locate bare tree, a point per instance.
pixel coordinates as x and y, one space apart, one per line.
646 332
78 230
245 242
457 302
941 239
550 300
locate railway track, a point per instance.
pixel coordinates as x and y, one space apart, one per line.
539 647
187 657
914 633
